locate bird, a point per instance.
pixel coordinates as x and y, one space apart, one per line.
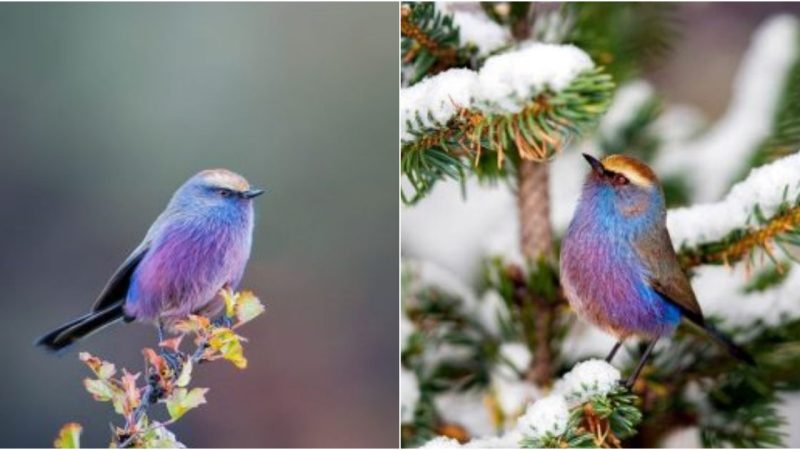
198 245
618 268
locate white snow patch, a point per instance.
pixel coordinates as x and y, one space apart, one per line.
513 394
442 442
509 80
492 310
686 437
720 292
586 380
548 415
764 187
466 409
433 101
504 84
446 229
712 160
409 394
628 100
476 28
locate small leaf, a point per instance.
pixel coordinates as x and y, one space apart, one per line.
172 344
230 302
132 397
183 400
248 307
102 369
101 390
186 374
158 436
229 345
69 436
193 324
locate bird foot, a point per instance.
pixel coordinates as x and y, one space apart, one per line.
222 321
173 359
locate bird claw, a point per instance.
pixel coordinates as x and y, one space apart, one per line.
173 359
223 321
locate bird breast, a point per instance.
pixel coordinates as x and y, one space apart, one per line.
606 284
188 264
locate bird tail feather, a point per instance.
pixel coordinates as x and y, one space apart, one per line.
735 350
69 333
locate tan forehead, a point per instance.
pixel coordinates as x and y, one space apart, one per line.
225 179
633 169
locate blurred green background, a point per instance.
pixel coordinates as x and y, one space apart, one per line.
106 108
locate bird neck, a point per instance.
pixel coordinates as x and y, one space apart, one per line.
603 211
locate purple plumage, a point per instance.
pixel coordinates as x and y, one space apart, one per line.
199 245
602 274
619 270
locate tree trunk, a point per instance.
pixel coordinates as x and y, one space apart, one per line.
533 201
536 240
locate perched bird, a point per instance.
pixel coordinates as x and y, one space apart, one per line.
618 267
199 245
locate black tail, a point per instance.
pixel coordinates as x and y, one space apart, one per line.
735 351
66 335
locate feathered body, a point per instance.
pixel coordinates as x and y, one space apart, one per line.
602 272
619 270
199 245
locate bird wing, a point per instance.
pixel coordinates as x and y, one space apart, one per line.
665 274
117 287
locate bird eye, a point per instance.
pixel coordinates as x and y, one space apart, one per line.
224 193
619 180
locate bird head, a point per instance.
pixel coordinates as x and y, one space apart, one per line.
218 188
623 185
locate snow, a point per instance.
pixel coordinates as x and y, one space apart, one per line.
586 380
512 395
491 310
409 394
442 442
434 100
548 415
517 354
476 28
712 160
628 100
504 84
467 409
509 80
718 288
764 187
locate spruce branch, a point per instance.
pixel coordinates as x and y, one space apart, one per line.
430 42
781 230
167 374
485 139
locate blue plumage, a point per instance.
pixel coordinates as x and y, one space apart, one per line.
199 245
618 268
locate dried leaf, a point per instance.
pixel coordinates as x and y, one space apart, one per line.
182 400
132 393
172 344
193 324
102 369
69 436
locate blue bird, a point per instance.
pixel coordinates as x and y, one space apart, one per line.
619 270
199 245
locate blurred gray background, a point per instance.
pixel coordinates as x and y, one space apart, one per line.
106 108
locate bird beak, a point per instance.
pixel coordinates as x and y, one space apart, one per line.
252 193
597 166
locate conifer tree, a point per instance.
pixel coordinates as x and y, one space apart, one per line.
501 99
